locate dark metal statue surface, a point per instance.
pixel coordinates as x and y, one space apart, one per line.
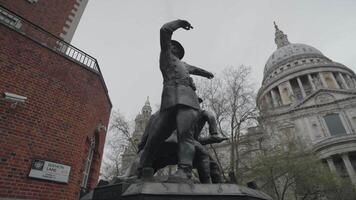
208 169
179 104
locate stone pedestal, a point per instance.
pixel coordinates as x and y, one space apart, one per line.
177 191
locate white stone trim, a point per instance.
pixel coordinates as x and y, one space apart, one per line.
330 146
10 19
74 18
32 1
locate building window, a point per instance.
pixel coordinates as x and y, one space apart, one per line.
334 124
88 162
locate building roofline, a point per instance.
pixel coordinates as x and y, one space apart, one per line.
54 43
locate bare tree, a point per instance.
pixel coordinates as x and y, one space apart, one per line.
120 125
118 139
231 97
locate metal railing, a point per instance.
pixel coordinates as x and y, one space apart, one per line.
47 39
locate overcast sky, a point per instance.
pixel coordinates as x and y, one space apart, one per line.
123 35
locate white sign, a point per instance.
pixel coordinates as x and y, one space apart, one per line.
50 171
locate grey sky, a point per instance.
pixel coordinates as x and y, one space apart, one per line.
124 36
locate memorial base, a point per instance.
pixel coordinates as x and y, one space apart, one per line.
176 191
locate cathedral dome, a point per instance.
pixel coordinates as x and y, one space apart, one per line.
287 51
290 51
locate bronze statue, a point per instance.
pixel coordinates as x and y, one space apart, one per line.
179 103
208 169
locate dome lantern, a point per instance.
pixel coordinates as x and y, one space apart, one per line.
280 39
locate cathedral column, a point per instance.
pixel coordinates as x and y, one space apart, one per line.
331 164
343 80
268 100
349 168
291 95
322 79
274 99
351 80
290 87
335 82
310 79
301 87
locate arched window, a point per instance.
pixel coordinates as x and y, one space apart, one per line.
88 162
334 124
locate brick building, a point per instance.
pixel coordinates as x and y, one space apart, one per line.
54 104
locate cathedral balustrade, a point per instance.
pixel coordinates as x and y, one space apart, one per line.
47 39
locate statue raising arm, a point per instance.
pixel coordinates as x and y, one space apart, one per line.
168 29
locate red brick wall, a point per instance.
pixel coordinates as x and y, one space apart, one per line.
65 104
51 15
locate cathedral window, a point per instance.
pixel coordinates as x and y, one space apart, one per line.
334 124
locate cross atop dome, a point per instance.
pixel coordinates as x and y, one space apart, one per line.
280 39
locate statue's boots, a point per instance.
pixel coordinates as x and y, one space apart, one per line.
215 173
145 174
183 174
205 180
204 170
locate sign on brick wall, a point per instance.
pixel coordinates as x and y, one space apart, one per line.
42 169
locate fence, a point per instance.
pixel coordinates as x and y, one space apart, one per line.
45 38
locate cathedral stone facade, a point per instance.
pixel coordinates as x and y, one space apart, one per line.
306 93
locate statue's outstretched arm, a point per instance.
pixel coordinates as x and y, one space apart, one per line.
168 29
198 71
